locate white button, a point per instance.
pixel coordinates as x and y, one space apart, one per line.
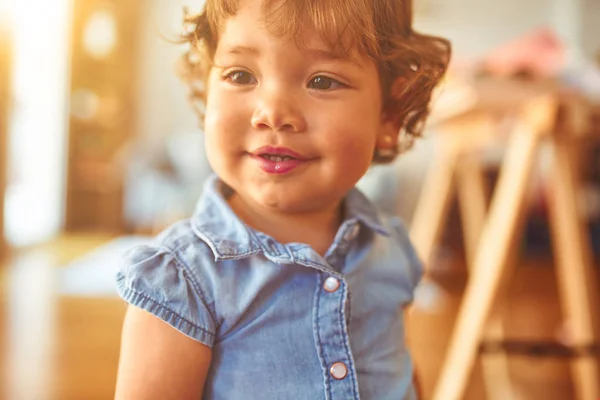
331 284
338 370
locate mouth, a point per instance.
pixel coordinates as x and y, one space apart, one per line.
277 154
277 160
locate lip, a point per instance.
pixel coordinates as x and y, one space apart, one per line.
277 167
277 151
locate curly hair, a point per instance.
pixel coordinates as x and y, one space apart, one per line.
410 64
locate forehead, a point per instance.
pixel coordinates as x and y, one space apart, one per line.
320 28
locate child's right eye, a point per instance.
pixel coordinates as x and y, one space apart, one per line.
240 77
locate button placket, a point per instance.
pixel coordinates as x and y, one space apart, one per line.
332 338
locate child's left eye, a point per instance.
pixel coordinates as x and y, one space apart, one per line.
324 83
240 77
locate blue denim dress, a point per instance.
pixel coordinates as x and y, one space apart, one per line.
284 322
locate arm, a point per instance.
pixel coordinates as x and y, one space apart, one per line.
159 362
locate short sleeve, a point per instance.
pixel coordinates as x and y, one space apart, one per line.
154 280
414 265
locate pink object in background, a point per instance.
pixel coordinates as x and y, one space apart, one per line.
539 53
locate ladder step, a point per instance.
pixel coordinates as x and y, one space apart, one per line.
540 349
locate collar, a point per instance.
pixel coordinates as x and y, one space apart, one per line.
229 238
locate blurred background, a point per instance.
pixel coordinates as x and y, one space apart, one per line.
99 150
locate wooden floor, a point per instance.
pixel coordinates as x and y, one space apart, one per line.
66 348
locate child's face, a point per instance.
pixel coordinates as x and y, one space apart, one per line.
266 92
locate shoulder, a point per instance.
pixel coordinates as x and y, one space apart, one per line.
399 232
179 244
401 248
181 236
171 278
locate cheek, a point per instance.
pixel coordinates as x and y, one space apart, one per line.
357 153
347 156
225 121
224 130
352 139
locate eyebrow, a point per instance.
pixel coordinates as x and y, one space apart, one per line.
243 49
319 54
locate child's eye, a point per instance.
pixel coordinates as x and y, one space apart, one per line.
240 77
324 83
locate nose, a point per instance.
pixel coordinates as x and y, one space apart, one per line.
278 110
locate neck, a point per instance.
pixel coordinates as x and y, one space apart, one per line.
315 228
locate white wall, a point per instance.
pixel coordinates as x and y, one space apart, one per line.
591 30
163 106
474 26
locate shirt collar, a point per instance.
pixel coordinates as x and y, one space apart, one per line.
229 238
360 208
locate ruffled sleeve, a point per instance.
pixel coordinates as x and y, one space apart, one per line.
154 280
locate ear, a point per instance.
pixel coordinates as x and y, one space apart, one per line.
387 137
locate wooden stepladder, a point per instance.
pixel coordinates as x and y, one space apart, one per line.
491 234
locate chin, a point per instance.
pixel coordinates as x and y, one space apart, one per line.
295 204
284 204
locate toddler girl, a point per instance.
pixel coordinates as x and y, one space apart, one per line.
286 283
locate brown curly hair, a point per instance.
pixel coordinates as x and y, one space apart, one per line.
410 64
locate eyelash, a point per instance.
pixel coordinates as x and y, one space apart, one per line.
228 76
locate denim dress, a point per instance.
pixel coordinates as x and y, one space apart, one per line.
284 322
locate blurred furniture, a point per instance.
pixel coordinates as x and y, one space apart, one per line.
538 112
538 53
5 64
163 180
103 98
